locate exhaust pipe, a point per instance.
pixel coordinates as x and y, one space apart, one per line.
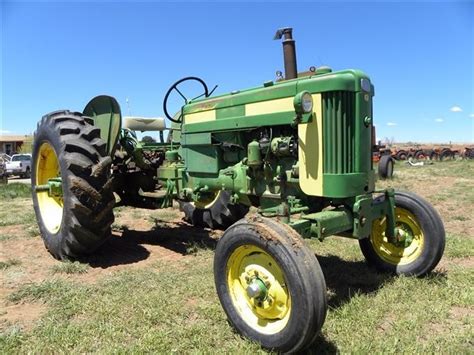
289 52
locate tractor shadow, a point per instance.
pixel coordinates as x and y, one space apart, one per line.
345 279
128 246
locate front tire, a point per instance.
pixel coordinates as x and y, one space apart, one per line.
68 148
423 244
270 284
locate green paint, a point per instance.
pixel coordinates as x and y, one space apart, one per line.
54 187
105 111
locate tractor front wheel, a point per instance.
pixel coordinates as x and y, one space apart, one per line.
71 185
420 238
270 284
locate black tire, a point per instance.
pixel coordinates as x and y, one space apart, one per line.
428 255
446 154
420 155
221 214
401 155
27 173
302 275
87 199
385 168
434 156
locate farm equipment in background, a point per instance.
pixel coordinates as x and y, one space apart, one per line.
299 150
382 155
417 153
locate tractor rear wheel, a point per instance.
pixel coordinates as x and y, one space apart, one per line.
270 284
401 155
421 243
217 212
71 185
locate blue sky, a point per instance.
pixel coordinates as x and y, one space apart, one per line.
419 56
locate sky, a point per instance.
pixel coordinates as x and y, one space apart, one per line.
419 56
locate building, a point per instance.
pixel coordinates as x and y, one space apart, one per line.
11 144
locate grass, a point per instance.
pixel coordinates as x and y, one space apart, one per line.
166 305
68 267
9 263
14 190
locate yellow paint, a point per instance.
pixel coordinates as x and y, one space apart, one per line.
51 208
310 151
394 254
208 202
198 117
268 316
271 106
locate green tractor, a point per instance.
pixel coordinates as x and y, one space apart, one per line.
298 149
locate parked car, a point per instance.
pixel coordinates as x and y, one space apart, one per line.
20 165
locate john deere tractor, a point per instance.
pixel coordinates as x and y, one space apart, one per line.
298 149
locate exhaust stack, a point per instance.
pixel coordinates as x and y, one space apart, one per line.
289 52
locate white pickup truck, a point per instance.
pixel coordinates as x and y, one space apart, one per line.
20 165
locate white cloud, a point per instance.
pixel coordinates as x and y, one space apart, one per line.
455 109
4 132
391 124
471 115
439 120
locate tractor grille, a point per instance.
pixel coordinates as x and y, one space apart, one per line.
339 132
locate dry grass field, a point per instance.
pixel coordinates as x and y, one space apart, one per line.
150 288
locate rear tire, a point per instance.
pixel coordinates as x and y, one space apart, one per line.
417 217
219 214
401 155
291 313
385 168
68 146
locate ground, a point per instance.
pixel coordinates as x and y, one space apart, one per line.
150 287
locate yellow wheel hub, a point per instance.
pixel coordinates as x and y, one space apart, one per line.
208 201
51 208
258 289
407 226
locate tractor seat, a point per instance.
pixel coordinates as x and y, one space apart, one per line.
144 124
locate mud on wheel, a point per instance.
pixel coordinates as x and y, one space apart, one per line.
216 212
420 238
71 185
270 284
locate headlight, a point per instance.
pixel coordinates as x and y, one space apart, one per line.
303 102
365 84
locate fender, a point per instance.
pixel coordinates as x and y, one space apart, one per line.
105 111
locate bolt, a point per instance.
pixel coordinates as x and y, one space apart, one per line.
363 220
253 290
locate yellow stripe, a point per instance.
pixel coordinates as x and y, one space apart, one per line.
310 151
271 106
198 117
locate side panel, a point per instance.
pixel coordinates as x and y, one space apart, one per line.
310 151
198 117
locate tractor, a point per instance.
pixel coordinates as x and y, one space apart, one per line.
297 149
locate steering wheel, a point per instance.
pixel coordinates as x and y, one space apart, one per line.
206 93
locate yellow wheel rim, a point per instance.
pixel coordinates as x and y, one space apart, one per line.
269 314
208 201
51 208
397 253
